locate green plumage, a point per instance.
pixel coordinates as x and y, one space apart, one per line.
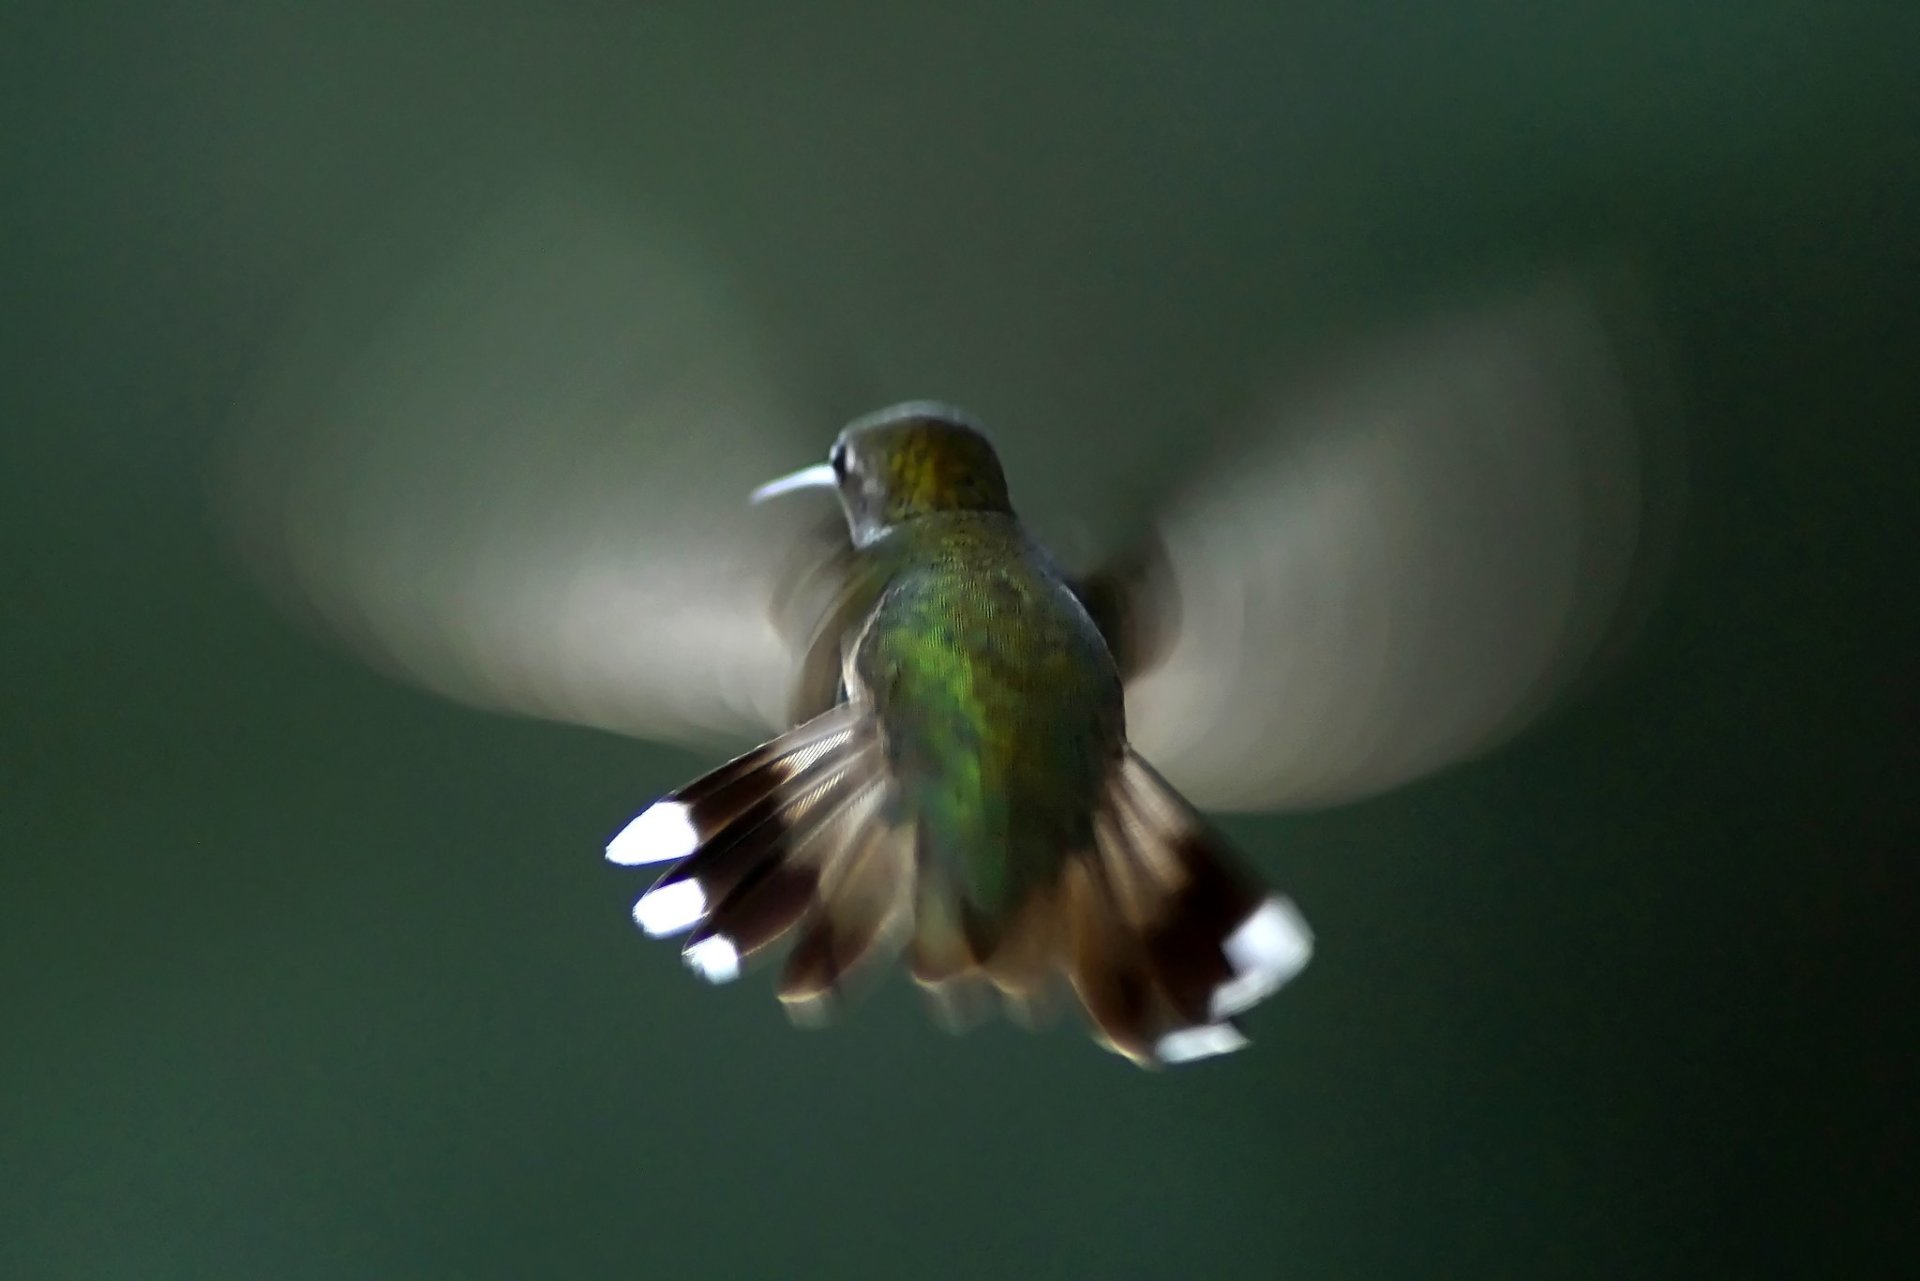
998 705
957 782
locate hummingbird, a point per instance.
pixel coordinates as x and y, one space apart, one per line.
968 793
522 489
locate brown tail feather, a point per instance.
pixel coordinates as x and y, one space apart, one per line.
864 903
1162 937
760 831
1105 963
1211 941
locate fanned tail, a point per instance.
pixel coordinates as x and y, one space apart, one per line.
790 832
1169 939
1164 938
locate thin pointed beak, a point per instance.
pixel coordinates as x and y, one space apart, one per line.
818 476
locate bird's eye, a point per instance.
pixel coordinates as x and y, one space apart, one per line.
838 459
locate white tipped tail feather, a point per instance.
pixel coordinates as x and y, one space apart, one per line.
1163 937
714 959
670 909
1267 949
662 832
1203 1042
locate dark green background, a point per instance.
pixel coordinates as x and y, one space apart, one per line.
308 975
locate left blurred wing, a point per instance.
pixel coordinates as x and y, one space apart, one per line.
521 481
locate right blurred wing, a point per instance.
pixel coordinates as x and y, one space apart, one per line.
522 480
1414 555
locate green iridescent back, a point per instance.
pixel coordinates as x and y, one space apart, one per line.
997 700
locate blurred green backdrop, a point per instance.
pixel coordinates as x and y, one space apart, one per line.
309 975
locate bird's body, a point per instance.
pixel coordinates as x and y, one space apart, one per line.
997 705
964 788
1393 561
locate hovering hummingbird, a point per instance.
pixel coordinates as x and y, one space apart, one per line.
969 791
971 753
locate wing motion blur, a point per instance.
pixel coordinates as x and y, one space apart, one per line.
1409 557
523 484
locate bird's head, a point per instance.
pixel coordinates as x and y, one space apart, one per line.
899 464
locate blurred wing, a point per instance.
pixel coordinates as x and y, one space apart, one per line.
521 481
1427 546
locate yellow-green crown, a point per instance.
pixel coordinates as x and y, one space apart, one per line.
914 460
